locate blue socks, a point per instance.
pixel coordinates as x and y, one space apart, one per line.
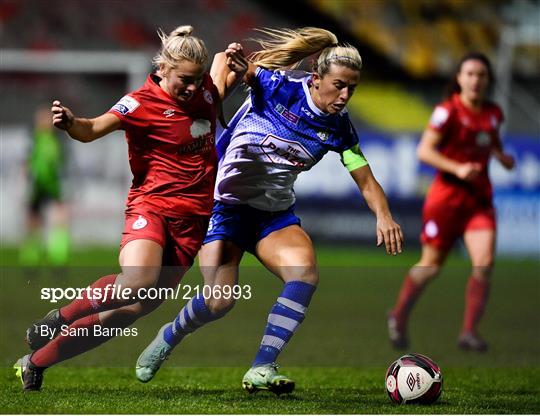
191 317
285 316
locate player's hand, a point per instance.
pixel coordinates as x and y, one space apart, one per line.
507 160
62 118
389 232
468 171
236 61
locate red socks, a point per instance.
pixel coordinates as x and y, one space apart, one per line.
476 296
84 307
82 316
67 346
408 294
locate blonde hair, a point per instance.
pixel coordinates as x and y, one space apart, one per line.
287 48
343 55
179 46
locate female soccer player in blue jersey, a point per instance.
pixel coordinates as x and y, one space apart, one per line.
289 122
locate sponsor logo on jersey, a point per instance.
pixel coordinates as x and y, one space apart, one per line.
282 151
201 145
307 112
127 104
201 131
483 139
139 223
207 95
168 113
200 128
286 114
439 116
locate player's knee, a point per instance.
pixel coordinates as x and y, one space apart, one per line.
311 278
424 273
482 272
122 317
148 305
137 278
219 306
131 313
307 274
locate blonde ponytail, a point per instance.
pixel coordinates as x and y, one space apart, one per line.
286 48
180 46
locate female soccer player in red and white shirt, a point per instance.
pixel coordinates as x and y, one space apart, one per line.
462 135
170 129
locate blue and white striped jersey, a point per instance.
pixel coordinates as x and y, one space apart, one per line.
276 134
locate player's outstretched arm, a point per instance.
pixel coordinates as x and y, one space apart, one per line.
228 69
388 231
83 129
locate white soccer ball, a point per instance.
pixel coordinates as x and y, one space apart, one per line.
414 378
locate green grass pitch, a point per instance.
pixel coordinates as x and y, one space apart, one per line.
338 357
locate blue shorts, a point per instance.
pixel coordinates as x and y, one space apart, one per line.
246 226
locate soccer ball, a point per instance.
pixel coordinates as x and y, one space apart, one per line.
414 378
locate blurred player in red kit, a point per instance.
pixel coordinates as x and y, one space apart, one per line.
170 128
462 135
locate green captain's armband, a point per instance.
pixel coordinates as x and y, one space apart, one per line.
353 158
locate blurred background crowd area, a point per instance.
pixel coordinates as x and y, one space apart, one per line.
413 45
90 53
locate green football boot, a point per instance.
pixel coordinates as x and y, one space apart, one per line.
266 377
30 375
152 357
